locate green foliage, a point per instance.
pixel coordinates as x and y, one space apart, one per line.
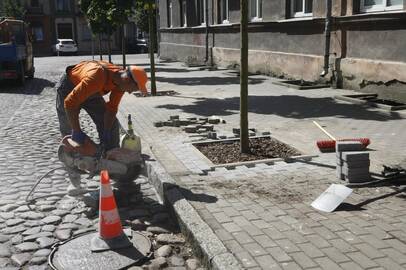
141 15
12 8
105 16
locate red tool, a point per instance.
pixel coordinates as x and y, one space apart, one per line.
330 145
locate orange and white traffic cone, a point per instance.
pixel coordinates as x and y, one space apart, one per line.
111 235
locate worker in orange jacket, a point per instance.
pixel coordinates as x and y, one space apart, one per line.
83 87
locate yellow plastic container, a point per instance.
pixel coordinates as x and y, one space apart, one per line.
130 140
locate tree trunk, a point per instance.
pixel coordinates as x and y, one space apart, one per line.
109 46
92 47
244 140
123 43
100 47
152 48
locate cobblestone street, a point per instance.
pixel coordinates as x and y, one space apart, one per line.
29 139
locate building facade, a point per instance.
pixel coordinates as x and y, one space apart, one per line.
288 37
50 20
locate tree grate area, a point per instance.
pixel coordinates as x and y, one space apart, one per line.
260 148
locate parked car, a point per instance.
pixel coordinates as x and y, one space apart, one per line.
16 57
140 45
65 46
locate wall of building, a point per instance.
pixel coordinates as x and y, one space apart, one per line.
367 50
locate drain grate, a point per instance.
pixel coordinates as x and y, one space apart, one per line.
373 101
302 84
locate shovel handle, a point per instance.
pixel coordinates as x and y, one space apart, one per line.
325 131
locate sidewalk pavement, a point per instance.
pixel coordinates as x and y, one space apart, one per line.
262 213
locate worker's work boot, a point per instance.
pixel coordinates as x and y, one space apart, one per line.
75 188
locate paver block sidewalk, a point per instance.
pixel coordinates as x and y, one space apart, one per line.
262 213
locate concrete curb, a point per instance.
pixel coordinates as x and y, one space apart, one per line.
209 247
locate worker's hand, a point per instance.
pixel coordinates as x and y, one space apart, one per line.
79 136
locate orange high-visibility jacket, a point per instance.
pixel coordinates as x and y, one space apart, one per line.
90 78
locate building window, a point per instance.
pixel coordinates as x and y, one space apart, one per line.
62 5
222 11
201 5
35 3
169 13
183 13
255 10
302 8
381 5
38 33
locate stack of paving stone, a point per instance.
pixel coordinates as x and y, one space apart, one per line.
352 164
191 124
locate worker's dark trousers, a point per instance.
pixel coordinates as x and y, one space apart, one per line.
94 106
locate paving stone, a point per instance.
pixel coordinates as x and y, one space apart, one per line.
4 238
164 251
63 234
45 242
60 212
5 250
65 226
38 260
32 215
177 261
14 229
158 263
33 237
5 262
192 264
26 246
8 207
47 208
21 259
157 230
32 231
14 221
169 239
42 253
83 221
17 239
51 220
22 208
7 215
48 228
69 218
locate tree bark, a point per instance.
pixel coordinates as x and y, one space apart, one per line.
100 47
123 44
244 140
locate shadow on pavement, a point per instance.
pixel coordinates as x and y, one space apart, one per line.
190 195
32 87
207 80
289 106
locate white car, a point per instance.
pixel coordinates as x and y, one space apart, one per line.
65 46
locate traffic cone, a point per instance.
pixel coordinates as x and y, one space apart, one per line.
111 235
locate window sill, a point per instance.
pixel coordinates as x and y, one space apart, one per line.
377 12
393 14
298 19
256 19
